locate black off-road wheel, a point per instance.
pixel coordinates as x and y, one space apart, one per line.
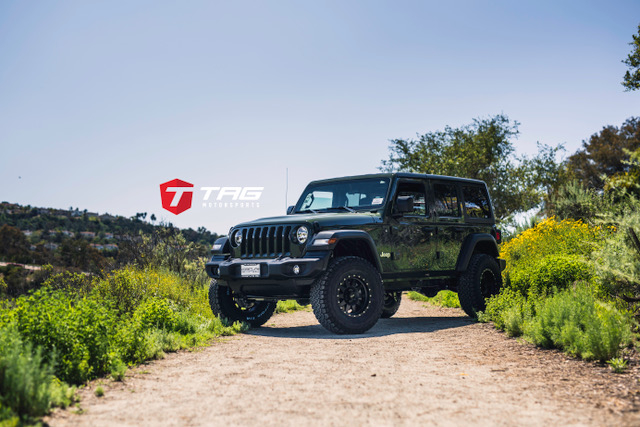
348 298
481 280
234 308
392 302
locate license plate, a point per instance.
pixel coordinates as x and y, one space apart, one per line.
250 270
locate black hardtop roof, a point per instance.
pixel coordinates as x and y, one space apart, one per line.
401 175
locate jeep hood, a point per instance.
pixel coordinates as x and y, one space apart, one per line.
324 220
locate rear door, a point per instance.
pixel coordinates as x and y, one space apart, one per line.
449 223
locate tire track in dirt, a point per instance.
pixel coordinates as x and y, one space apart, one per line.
426 365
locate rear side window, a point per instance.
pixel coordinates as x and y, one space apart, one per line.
446 200
476 202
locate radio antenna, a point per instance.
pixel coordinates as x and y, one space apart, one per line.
286 190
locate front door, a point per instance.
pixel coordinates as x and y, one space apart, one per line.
413 233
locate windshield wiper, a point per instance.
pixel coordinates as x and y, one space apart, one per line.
307 210
346 208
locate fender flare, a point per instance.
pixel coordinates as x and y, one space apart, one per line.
329 239
224 248
469 245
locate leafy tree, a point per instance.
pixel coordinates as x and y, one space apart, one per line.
632 76
606 154
482 150
13 245
78 254
628 181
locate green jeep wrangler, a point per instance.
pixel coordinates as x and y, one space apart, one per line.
351 245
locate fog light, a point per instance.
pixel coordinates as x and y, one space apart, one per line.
296 269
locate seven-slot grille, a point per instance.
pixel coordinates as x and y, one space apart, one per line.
265 242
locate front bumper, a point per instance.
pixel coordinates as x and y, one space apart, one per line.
277 278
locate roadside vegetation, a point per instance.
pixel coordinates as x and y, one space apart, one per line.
573 269
289 306
75 327
553 295
441 299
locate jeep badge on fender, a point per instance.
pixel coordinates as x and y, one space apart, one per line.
351 245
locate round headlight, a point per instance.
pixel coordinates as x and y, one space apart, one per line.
302 234
237 237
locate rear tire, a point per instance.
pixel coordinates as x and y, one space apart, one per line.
234 308
348 298
392 302
481 280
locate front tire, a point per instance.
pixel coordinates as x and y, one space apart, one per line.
481 280
392 302
234 308
348 298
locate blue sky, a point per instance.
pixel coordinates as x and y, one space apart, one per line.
101 102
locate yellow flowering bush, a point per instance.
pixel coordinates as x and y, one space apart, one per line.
551 237
541 261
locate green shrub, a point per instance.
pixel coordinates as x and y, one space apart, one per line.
417 296
540 278
288 306
618 258
77 283
576 322
129 287
156 313
8 418
25 378
618 364
508 307
513 319
78 330
81 330
540 262
118 370
574 201
443 298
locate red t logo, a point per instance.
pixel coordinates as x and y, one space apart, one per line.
176 196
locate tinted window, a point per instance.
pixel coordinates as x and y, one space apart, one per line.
476 201
446 199
415 190
368 193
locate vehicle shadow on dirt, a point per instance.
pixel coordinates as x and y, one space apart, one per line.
384 327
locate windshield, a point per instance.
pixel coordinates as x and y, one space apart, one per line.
351 195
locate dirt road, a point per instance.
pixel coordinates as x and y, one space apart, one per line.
426 366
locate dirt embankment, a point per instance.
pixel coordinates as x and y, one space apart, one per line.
425 366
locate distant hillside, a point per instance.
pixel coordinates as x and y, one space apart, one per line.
75 238
47 222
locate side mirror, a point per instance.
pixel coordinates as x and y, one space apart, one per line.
290 210
404 204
